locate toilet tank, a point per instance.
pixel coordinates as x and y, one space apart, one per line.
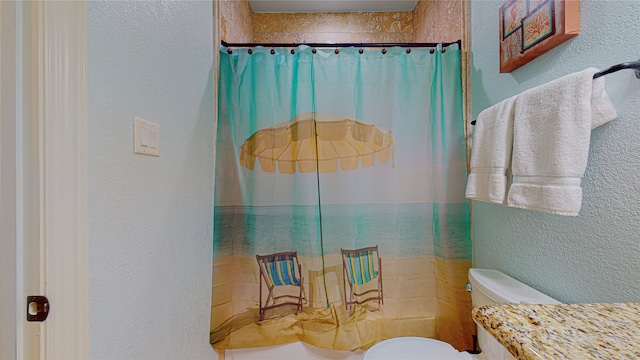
494 287
490 287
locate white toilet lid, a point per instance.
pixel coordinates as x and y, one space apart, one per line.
412 348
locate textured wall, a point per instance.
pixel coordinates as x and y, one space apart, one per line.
333 27
431 21
150 226
594 257
437 21
236 22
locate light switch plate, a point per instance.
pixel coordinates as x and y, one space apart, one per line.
146 137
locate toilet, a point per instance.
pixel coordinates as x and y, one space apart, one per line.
487 287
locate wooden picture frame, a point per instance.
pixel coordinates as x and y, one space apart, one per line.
529 28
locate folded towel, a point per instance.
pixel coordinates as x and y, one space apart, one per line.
552 130
491 153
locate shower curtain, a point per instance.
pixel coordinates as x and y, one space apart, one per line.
321 150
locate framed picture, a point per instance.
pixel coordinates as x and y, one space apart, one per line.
529 28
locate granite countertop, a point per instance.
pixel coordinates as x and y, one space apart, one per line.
567 331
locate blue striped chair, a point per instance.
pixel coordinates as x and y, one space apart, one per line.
360 267
278 271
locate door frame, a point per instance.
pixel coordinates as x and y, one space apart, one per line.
63 120
44 176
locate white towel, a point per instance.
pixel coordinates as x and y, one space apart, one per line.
552 130
491 153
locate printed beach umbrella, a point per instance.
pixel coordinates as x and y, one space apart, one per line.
338 141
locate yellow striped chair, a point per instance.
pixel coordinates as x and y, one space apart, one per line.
283 272
360 267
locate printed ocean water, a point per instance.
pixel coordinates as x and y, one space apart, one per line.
400 230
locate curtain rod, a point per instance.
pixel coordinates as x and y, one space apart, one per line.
325 45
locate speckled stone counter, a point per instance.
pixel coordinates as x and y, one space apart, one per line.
568 331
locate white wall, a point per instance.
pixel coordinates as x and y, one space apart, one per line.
150 219
594 257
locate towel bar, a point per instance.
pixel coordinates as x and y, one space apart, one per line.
634 65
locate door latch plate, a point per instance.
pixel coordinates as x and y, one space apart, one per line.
37 308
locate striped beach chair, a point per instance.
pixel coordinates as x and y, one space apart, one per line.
360 267
281 273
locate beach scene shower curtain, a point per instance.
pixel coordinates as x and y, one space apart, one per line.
340 218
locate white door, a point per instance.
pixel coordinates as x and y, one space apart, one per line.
43 178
